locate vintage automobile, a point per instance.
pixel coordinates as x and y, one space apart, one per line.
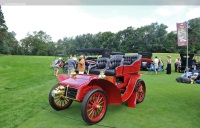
192 63
146 59
111 81
197 58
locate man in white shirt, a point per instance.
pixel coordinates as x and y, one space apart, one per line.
156 60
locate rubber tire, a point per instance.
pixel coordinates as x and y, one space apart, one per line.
84 106
52 103
136 89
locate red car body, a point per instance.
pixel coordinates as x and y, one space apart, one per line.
95 92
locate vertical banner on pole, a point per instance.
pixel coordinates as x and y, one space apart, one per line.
182 34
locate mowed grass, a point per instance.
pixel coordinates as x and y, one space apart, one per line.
25 82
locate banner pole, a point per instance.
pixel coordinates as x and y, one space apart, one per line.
187 49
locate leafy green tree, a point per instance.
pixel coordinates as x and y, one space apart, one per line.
36 44
107 40
51 49
170 44
12 43
126 40
96 43
4 48
2 21
194 35
152 37
65 46
68 46
8 42
83 41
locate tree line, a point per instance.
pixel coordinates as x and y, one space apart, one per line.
149 38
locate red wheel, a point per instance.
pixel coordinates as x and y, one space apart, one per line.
94 106
59 101
140 90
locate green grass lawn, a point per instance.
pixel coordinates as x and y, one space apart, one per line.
25 82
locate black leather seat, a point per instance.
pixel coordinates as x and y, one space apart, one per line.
102 64
128 60
117 56
112 65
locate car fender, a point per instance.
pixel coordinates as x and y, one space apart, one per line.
130 87
111 90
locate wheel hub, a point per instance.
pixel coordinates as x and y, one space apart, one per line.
62 97
96 105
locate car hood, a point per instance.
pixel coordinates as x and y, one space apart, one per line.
78 81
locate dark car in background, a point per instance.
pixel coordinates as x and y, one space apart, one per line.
197 58
146 59
94 53
193 62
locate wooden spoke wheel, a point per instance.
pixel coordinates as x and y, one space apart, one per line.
59 102
140 90
94 106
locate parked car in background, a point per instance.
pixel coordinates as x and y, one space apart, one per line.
146 59
197 58
193 63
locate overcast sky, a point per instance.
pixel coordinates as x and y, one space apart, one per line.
68 20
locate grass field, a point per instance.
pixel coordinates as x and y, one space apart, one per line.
25 82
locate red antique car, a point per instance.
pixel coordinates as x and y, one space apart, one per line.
111 81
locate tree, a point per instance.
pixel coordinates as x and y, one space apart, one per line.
2 21
8 42
126 40
3 31
152 37
37 43
170 44
51 49
194 35
107 40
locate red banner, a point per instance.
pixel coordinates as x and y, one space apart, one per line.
182 34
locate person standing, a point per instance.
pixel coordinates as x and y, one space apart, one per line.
81 65
156 63
57 66
160 65
70 64
178 65
168 64
75 59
